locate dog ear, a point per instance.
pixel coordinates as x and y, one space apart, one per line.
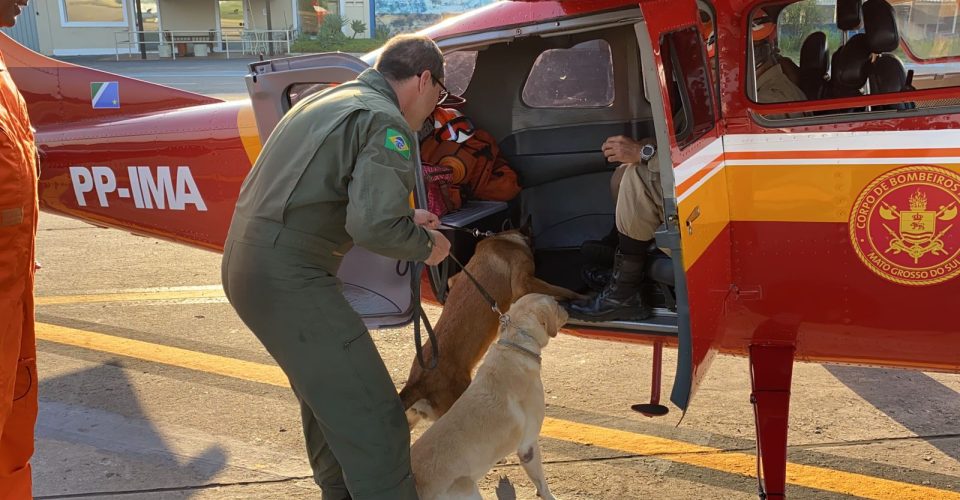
549 316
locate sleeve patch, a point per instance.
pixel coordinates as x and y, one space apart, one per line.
397 142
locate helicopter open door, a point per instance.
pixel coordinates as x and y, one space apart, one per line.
378 288
680 78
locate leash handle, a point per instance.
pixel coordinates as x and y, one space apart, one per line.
434 349
417 316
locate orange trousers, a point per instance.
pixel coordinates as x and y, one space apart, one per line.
18 229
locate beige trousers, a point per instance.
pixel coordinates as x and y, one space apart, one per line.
640 201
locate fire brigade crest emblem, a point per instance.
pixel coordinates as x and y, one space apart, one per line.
904 225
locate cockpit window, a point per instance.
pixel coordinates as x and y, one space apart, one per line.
578 77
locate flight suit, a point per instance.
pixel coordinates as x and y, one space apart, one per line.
18 230
337 170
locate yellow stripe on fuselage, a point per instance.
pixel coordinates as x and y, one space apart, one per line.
711 200
800 193
775 193
249 134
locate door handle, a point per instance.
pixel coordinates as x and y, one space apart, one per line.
694 215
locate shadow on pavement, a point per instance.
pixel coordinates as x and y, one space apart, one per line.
107 444
915 400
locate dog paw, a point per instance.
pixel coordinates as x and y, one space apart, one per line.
546 496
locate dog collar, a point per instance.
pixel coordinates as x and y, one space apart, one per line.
529 352
536 357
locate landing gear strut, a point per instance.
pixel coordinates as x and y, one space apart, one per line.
771 369
654 408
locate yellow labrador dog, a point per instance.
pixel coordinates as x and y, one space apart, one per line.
499 413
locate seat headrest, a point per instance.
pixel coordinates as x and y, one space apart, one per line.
851 63
888 75
880 26
848 14
813 54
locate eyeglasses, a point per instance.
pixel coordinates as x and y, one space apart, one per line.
443 90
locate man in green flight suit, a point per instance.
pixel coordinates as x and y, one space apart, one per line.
338 170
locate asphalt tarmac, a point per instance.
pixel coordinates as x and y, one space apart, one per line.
151 387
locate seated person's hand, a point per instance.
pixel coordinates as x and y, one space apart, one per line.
623 149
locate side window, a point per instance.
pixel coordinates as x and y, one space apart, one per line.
578 77
691 97
775 75
897 48
928 30
708 32
458 70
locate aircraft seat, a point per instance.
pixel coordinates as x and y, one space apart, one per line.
850 68
880 26
814 65
887 73
849 14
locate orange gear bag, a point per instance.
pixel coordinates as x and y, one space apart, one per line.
472 155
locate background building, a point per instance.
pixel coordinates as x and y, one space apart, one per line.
196 27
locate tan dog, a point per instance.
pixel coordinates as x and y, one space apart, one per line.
503 264
501 412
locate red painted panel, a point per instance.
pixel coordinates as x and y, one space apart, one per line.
58 93
203 138
708 284
502 15
806 276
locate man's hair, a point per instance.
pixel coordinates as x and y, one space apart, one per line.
409 55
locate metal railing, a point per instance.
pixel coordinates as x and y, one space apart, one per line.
169 42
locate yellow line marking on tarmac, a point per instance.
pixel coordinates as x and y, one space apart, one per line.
158 353
735 462
639 444
160 294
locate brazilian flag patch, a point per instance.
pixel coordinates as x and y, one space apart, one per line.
397 142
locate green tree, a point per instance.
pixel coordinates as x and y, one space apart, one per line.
382 32
358 27
332 28
799 19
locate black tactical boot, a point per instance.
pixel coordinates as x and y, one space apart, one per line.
620 300
601 252
596 277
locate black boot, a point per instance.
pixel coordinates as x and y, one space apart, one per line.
620 300
596 277
601 252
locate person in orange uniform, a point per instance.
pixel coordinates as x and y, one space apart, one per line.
18 229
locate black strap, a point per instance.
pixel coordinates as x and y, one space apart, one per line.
483 292
417 316
434 349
